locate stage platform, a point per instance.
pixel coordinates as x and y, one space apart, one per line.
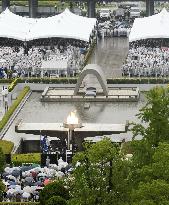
116 94
37 128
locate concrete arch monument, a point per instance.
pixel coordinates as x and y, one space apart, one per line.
96 70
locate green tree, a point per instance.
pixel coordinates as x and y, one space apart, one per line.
154 128
154 193
56 200
53 189
2 161
155 116
159 169
2 189
154 179
101 178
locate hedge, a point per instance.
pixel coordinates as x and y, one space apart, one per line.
2 80
109 80
53 189
63 80
18 159
6 146
19 203
137 80
13 107
12 85
73 80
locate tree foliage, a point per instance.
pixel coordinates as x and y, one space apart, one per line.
101 177
53 189
154 127
56 200
155 193
155 117
2 160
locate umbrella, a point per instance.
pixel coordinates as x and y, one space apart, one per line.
26 195
26 168
2 60
16 173
12 183
5 174
38 183
69 166
71 169
60 174
11 192
11 177
16 168
35 166
39 188
12 186
7 170
28 189
42 175
29 179
46 182
37 169
6 183
18 189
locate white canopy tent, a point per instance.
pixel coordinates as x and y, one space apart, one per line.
156 26
64 25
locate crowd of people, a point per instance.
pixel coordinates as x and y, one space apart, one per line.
26 60
148 58
24 183
110 29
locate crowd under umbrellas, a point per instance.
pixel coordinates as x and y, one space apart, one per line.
25 183
147 58
18 60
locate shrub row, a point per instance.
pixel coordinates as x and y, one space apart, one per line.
109 80
48 80
19 203
12 85
6 146
137 80
18 159
6 81
12 108
73 80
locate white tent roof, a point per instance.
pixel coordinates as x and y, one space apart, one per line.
156 26
64 25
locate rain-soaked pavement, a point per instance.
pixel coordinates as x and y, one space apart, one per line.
110 54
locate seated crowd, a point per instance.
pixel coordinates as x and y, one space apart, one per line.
26 60
147 58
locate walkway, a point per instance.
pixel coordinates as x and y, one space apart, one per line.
110 54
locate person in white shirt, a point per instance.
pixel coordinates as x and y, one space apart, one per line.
3 93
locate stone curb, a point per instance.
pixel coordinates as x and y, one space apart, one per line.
16 112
